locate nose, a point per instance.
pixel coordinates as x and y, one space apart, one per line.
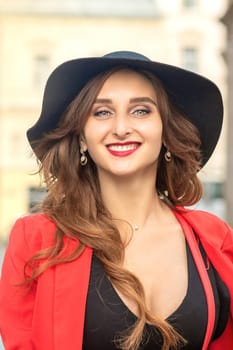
121 126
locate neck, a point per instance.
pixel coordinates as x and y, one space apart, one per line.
133 200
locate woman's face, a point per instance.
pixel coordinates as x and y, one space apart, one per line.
123 133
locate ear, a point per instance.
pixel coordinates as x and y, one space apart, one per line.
164 143
82 143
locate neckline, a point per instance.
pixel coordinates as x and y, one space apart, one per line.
180 307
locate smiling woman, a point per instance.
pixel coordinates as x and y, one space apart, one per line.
114 260
123 133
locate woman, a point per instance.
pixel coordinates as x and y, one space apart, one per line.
114 261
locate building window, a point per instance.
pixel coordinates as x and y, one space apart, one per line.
190 58
41 70
36 195
189 3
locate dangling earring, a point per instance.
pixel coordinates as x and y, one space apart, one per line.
168 156
83 158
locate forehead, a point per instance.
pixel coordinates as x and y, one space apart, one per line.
125 79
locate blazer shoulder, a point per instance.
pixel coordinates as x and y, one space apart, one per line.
35 230
208 226
36 221
202 217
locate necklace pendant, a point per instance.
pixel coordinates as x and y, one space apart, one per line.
136 227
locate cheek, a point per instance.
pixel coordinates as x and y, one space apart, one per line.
153 132
155 140
89 134
158 130
94 132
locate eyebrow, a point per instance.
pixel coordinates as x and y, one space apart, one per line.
132 100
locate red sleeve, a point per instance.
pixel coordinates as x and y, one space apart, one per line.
41 318
16 302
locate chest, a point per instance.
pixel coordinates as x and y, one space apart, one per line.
160 264
115 316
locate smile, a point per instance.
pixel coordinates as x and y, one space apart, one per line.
123 150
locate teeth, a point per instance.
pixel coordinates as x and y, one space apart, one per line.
122 147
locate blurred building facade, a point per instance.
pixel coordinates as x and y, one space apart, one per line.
228 21
36 36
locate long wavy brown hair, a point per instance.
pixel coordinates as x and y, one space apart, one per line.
74 200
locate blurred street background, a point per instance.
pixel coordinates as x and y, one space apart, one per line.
36 36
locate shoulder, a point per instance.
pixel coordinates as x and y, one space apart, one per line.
35 221
202 215
35 230
208 226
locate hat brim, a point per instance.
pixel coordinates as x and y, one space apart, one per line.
198 97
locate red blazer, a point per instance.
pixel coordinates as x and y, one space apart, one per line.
51 315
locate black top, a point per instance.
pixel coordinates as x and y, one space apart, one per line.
107 316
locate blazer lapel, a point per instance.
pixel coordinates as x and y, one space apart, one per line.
71 286
193 245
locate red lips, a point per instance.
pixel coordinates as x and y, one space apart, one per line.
123 149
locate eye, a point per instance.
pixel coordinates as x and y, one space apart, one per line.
102 113
140 112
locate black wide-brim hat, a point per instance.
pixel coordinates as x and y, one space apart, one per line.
198 97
